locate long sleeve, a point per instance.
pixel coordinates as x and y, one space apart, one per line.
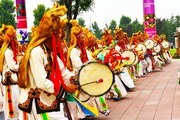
75 59
66 74
38 70
11 64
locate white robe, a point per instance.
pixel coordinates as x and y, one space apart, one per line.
149 64
37 76
10 64
77 64
126 78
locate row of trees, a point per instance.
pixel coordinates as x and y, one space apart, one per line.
76 7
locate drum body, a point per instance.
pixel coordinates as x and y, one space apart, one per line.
157 48
95 79
165 45
136 60
140 48
132 57
149 43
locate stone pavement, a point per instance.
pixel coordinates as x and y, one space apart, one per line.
155 97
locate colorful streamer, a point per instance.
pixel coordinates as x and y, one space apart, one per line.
88 110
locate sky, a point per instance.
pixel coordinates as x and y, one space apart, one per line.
106 10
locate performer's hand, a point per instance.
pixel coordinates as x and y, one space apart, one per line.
71 88
73 79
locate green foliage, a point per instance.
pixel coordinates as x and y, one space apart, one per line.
135 27
38 13
7 15
124 23
81 22
168 27
96 30
112 26
76 7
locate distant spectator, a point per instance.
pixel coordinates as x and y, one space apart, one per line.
171 45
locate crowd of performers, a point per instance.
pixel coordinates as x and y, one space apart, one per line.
39 80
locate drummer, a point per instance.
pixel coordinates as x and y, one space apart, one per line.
137 40
108 44
43 78
148 53
91 44
165 49
126 72
157 60
8 68
76 57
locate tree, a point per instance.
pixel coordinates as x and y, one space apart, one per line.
125 24
7 10
135 27
112 26
124 21
96 30
38 13
75 7
81 22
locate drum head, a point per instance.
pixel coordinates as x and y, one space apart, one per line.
157 48
165 45
131 55
136 60
90 74
140 47
149 43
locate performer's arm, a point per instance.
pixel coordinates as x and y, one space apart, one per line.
38 70
75 58
8 55
68 77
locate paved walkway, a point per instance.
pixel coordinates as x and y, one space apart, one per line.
156 97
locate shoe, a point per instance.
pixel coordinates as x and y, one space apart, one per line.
116 98
105 112
88 117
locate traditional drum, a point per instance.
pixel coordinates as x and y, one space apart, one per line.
140 48
157 48
165 45
149 43
136 60
131 55
95 79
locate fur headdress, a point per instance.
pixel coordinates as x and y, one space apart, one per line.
49 24
76 32
7 35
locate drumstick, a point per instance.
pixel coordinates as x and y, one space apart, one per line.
148 43
97 81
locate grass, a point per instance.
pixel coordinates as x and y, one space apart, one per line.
174 54
172 51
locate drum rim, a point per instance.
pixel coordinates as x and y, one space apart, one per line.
143 45
150 40
166 42
156 46
113 79
134 59
137 58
